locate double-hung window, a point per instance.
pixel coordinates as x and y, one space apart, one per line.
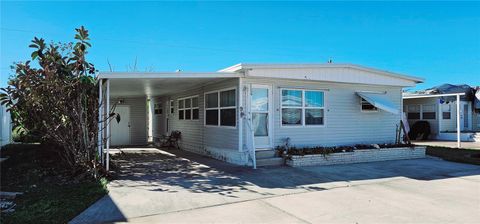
221 108
421 112
302 107
172 107
428 112
446 111
158 109
413 111
188 108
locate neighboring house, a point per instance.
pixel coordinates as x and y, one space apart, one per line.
5 126
440 111
233 112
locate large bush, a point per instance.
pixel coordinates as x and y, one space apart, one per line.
55 95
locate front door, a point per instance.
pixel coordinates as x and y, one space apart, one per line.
465 116
120 131
261 106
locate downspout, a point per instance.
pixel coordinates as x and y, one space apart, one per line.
100 117
458 120
108 124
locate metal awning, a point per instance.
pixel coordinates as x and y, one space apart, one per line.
379 100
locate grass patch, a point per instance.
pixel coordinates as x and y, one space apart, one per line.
470 156
50 193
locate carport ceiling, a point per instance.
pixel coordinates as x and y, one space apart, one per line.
134 84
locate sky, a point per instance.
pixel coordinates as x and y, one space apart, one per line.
438 41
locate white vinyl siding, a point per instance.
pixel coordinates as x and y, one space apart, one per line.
195 136
344 124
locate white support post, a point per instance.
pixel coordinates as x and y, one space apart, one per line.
458 120
241 111
107 102
100 117
440 117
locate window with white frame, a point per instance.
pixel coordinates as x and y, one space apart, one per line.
188 108
157 108
302 107
413 111
446 111
421 112
367 106
221 108
428 112
172 107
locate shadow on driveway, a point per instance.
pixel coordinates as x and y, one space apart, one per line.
154 181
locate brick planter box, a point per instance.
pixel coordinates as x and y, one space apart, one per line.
358 156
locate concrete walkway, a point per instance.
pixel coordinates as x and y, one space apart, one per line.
450 144
178 187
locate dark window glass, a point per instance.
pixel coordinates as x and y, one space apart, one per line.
195 114
446 115
180 114
211 117
313 116
227 98
227 117
195 102
429 115
211 100
188 114
291 116
414 115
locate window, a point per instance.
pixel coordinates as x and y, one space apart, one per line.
172 107
413 111
428 112
446 111
181 110
366 106
220 108
419 112
157 109
302 107
188 108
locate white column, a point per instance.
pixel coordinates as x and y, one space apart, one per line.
107 102
440 116
241 109
458 120
100 118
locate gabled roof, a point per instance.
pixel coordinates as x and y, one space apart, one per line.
243 67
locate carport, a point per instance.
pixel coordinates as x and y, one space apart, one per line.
117 87
438 96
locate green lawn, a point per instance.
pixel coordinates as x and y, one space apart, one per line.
50 194
471 156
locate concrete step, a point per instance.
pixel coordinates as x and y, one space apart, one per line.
277 161
265 154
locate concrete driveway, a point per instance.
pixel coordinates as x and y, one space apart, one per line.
156 186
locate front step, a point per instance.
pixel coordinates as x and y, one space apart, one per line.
277 161
265 153
268 157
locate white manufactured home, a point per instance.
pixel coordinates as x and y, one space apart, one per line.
232 113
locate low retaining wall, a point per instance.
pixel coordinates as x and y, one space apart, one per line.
358 156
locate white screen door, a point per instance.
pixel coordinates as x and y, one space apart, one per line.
120 131
260 105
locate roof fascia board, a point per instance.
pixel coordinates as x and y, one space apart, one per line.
431 95
239 67
165 75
